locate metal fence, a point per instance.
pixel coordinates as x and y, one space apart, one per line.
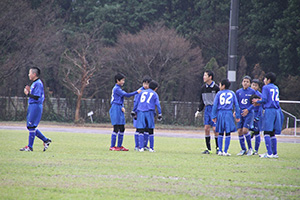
63 110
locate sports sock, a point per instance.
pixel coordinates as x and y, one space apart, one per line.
136 139
242 142
227 143
216 139
31 137
146 138
268 144
220 142
141 140
257 141
248 139
274 144
40 135
151 140
113 139
207 141
120 139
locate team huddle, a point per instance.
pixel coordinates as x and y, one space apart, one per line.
251 110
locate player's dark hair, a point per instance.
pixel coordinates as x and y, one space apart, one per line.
210 73
226 82
256 81
271 76
254 96
153 84
147 79
119 77
247 77
36 70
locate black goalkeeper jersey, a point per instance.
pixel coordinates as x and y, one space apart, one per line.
207 95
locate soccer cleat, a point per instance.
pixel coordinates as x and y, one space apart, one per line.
146 148
206 152
255 153
151 150
250 152
114 149
136 149
26 148
265 155
47 143
226 154
242 152
275 156
122 148
220 153
141 149
217 150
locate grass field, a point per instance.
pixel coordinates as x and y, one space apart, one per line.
79 166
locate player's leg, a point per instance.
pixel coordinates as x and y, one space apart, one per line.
207 126
141 139
146 138
247 135
151 139
267 137
257 142
121 137
241 138
268 124
114 138
274 144
220 143
227 143
216 138
136 140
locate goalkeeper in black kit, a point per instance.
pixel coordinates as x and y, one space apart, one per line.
207 96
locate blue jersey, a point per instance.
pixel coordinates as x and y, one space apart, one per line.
225 100
146 101
257 108
270 96
37 89
243 97
117 96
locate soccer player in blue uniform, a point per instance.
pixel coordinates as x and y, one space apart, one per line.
272 122
222 115
117 111
35 109
145 109
207 95
146 80
246 108
257 118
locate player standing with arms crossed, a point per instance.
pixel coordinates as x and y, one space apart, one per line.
273 118
117 111
243 96
145 109
207 95
222 115
35 109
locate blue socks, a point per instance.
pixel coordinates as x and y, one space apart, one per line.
257 142
151 140
120 138
248 139
227 143
274 145
141 140
220 142
136 139
31 137
40 135
113 139
242 142
146 138
268 144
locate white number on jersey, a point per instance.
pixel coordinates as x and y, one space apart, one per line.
144 96
224 100
275 94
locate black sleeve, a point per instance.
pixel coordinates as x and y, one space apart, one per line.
201 105
33 96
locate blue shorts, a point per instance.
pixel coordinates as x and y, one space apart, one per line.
273 120
145 120
225 122
117 116
207 116
34 114
246 122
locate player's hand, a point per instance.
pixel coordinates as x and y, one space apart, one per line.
159 117
237 120
139 91
234 114
245 112
27 89
123 109
214 120
133 114
197 114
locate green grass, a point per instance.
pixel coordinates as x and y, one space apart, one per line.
79 166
